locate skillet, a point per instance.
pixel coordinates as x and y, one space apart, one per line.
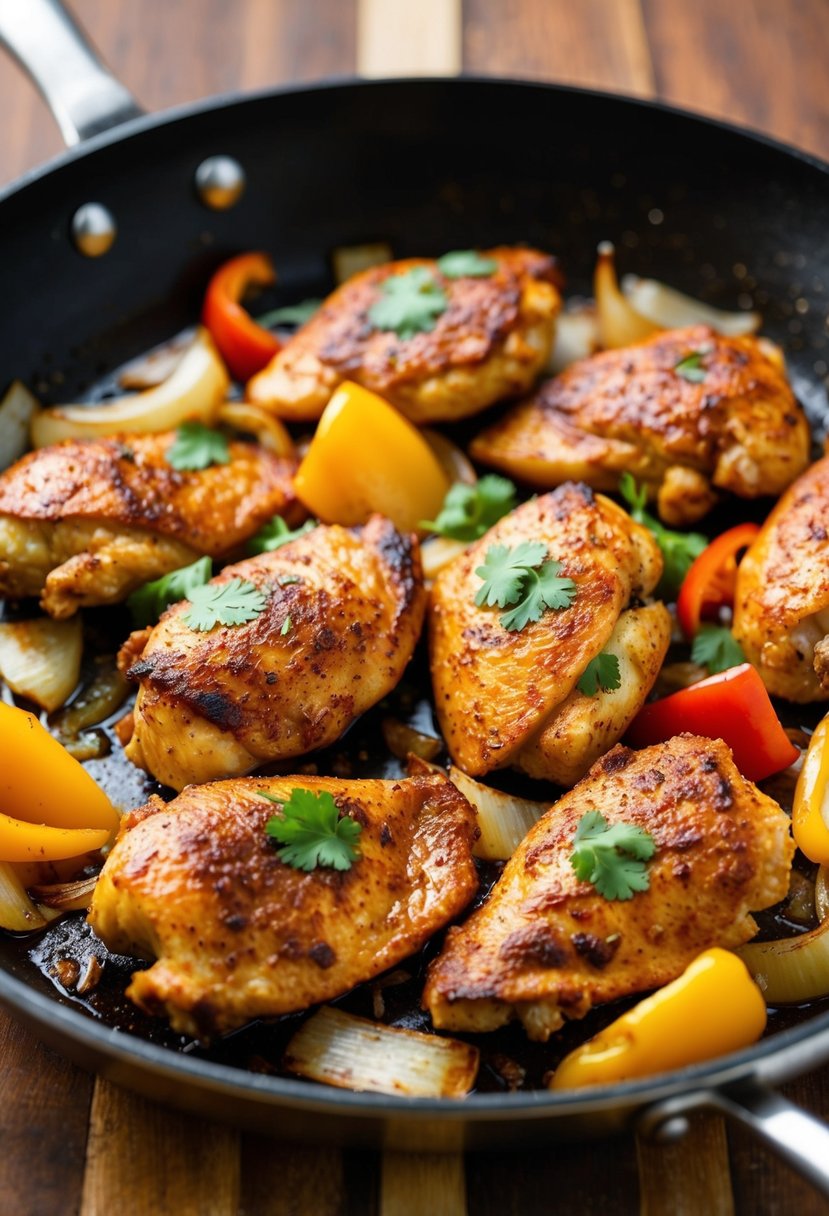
425 165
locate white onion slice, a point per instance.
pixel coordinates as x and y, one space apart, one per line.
672 309
270 432
439 551
156 365
791 970
17 409
17 912
503 819
822 893
618 322
577 337
41 659
454 460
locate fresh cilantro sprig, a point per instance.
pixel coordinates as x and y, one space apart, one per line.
690 368
313 832
276 533
715 648
197 447
148 602
466 263
232 603
612 858
602 672
679 549
409 303
290 314
524 577
470 511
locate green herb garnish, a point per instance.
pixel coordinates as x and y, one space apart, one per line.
602 672
612 858
690 368
313 832
276 533
523 576
197 447
716 648
409 303
232 603
470 511
466 263
679 549
290 314
148 602
286 626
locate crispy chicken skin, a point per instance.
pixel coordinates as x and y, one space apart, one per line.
781 605
237 934
221 703
87 521
547 946
491 342
739 428
509 697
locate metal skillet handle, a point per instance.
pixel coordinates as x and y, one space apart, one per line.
799 1138
51 47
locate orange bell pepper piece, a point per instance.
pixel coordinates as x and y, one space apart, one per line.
810 810
21 841
245 346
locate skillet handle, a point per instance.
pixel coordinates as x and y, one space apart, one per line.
796 1136
50 46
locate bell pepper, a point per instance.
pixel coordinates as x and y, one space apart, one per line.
21 841
711 578
810 810
714 1008
245 346
732 705
366 457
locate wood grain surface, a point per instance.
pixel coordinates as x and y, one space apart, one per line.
71 1144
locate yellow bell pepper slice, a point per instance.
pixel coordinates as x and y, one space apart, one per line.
810 811
21 841
40 783
366 457
713 1008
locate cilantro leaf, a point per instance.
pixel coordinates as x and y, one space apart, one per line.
231 603
290 314
276 533
679 549
197 447
286 626
716 648
612 858
148 602
313 832
601 672
522 577
466 263
470 511
409 303
690 368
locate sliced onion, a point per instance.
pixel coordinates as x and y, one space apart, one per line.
17 912
503 819
355 1053
454 461
270 432
195 390
822 893
348 260
439 551
41 659
17 409
791 970
98 700
65 896
403 740
618 322
800 901
672 309
577 337
156 365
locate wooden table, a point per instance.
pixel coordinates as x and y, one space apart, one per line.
71 1143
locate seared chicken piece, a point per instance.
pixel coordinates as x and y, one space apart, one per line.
730 422
781 604
491 341
546 946
87 521
509 697
237 934
343 612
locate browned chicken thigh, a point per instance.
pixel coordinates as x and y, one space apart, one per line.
87 521
237 934
688 412
781 604
491 341
509 697
547 946
342 613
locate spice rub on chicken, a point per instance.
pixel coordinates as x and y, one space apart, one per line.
688 412
87 521
451 344
506 690
328 623
781 603
547 946
237 933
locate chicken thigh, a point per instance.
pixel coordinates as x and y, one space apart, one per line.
547 946
491 340
87 521
688 412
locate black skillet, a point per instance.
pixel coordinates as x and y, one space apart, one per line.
426 165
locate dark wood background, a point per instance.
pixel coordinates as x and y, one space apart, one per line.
72 1144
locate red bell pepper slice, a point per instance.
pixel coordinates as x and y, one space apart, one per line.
733 706
711 578
245 346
